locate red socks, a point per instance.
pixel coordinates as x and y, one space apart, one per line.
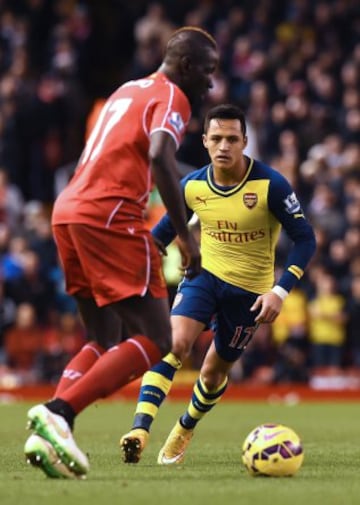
118 366
80 363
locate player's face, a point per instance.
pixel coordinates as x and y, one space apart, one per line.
225 143
198 80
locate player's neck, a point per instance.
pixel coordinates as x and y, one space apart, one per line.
231 176
168 72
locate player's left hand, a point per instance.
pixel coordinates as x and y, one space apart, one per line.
269 305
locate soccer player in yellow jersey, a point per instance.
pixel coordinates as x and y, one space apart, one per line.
241 204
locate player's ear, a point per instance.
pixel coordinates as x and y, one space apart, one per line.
185 64
204 139
245 140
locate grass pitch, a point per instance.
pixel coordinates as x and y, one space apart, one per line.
212 473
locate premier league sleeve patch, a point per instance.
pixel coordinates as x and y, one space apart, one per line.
176 121
292 204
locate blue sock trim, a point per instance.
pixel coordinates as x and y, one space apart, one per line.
201 407
210 396
188 422
164 369
142 421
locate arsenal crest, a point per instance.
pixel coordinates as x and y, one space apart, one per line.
250 200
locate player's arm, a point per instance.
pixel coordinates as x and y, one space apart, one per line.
164 169
164 231
285 206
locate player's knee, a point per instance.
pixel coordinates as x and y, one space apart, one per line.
164 346
181 348
212 380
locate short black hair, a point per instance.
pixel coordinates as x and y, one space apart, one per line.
193 33
189 40
225 111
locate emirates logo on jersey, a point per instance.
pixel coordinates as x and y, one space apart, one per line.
176 121
250 200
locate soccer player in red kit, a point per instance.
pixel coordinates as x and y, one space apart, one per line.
111 263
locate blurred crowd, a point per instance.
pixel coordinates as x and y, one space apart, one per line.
292 65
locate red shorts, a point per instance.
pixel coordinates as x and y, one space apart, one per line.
109 264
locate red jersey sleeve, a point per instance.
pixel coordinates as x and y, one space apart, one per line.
171 113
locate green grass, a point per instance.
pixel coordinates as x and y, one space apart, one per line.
212 473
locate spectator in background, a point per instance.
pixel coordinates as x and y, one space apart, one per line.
61 342
23 343
290 335
327 326
41 241
337 263
353 323
11 202
151 33
12 259
352 242
7 317
325 210
32 287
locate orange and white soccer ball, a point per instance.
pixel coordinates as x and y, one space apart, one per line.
272 450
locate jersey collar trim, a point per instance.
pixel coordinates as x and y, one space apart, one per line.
226 190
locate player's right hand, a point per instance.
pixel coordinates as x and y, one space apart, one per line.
190 256
161 248
269 305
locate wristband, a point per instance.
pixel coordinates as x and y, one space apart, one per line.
281 292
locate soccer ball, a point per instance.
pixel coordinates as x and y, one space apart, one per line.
273 450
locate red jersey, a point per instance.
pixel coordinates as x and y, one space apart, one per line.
114 166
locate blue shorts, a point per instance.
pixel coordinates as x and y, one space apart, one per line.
222 306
